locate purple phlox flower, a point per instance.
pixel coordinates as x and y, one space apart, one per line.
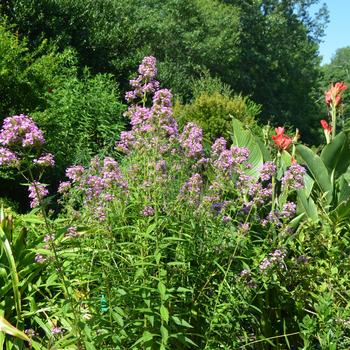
45 160
201 163
217 207
56 330
30 332
127 139
244 181
302 259
138 115
245 273
7 157
267 170
218 146
275 258
147 68
94 186
163 112
64 187
265 264
39 258
247 206
240 154
162 98
274 218
20 130
191 140
111 173
294 177
161 166
147 211
145 82
74 173
192 188
258 193
71 231
193 185
226 219
289 209
49 238
244 227
37 192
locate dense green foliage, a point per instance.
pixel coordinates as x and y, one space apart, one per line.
266 49
213 113
82 118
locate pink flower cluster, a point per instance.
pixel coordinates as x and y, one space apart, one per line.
96 183
191 140
37 192
20 130
8 158
145 83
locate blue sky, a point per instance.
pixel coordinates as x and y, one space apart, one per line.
338 29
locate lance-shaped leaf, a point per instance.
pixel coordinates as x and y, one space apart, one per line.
318 171
307 205
7 327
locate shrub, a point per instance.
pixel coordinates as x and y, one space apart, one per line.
83 118
214 113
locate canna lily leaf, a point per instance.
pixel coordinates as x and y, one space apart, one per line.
318 171
244 138
336 155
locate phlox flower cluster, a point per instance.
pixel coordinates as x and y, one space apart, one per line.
18 135
191 140
96 183
191 190
45 160
20 130
228 161
267 170
145 83
274 259
37 191
293 178
8 158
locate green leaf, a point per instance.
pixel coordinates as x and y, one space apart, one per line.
165 334
6 327
318 170
244 138
336 155
13 271
164 313
146 337
161 289
307 205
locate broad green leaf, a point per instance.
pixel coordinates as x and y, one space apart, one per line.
244 138
307 205
336 155
7 328
318 170
344 188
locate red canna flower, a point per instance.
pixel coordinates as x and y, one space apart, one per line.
333 95
281 140
326 127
